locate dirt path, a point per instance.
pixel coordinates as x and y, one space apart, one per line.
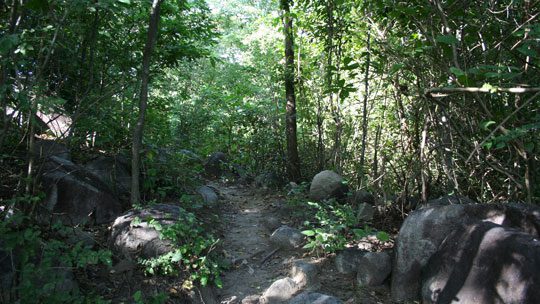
246 243
245 213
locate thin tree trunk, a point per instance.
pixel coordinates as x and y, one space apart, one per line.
361 170
143 101
293 161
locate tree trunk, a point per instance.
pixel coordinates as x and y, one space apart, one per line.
361 170
293 161
143 101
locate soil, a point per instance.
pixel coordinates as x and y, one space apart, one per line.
255 266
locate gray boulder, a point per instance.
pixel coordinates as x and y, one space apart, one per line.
449 200
287 238
216 164
114 171
133 236
305 274
75 196
348 260
482 262
208 195
280 291
314 298
327 184
373 269
424 230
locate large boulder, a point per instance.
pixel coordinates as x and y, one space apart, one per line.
482 262
114 171
449 200
133 235
327 184
215 164
424 230
75 196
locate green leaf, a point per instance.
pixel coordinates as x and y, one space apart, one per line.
7 43
491 88
527 51
308 232
125 1
396 67
383 236
447 39
176 257
457 72
485 124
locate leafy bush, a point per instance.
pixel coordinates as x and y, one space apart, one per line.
192 252
39 257
334 226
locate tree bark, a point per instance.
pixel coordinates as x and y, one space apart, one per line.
361 170
143 101
293 161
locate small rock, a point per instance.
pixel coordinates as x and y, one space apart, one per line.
208 194
305 275
280 291
327 184
373 269
365 213
348 260
314 298
287 238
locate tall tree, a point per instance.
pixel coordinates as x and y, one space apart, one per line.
293 161
143 99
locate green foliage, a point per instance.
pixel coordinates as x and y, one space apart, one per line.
42 260
191 253
334 226
159 298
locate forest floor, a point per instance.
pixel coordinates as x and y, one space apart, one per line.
254 266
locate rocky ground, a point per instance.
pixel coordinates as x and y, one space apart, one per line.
260 268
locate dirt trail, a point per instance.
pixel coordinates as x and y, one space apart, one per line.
246 243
